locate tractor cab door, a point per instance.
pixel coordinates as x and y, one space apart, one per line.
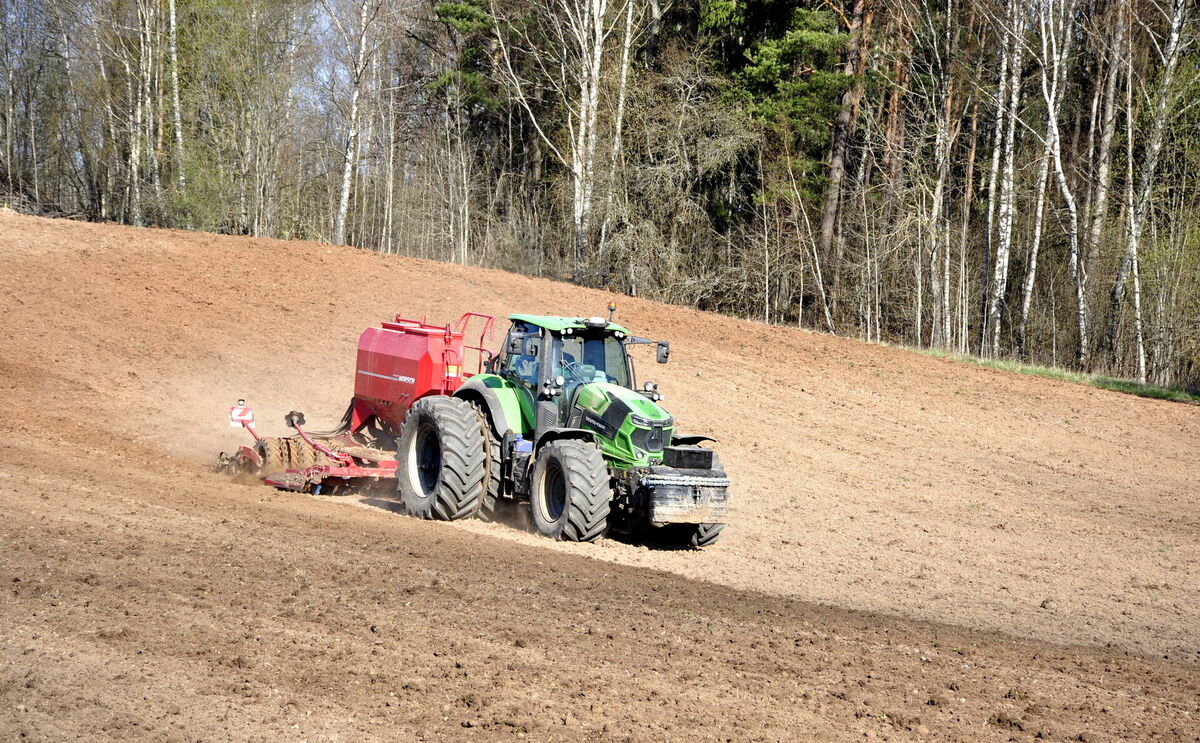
521 364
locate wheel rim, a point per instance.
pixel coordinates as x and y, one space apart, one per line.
554 492
425 460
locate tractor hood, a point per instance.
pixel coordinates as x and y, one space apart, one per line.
632 429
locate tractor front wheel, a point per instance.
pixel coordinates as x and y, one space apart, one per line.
697 535
441 460
571 491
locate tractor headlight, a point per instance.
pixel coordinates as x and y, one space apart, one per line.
648 423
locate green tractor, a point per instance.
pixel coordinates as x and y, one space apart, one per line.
557 421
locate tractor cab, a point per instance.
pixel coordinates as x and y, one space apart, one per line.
570 371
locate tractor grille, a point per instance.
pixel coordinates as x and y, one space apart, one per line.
649 439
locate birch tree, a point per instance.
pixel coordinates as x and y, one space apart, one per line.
1139 205
989 245
1108 128
176 107
359 40
615 159
569 65
1014 36
1056 26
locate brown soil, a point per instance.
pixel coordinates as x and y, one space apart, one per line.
920 549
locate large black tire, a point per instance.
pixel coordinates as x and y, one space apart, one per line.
696 536
699 535
492 484
571 492
441 460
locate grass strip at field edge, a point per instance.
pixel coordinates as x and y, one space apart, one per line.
1126 386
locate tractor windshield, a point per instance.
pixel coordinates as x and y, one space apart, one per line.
583 360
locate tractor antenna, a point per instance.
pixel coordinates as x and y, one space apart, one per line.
612 309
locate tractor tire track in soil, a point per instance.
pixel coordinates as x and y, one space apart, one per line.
919 549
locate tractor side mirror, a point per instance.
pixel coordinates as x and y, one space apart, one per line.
293 419
514 344
532 347
664 352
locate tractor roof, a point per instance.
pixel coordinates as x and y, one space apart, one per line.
556 324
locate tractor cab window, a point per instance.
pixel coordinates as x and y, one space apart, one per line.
521 355
583 360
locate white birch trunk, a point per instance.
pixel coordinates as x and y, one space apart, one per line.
9 116
969 178
148 67
350 158
1108 128
1034 249
176 108
1139 209
1052 83
389 199
616 157
985 283
1006 209
589 93
1054 53
135 143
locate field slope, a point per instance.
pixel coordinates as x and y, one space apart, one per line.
919 549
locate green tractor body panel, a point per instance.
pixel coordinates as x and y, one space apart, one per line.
630 429
510 408
559 324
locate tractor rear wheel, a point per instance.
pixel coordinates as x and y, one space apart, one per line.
491 494
571 491
494 481
441 460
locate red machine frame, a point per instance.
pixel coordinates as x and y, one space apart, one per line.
398 363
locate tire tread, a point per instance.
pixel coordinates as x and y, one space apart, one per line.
589 491
464 463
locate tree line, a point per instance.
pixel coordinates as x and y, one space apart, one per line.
1002 178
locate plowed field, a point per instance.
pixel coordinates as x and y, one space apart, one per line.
919 549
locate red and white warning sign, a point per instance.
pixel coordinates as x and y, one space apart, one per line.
240 415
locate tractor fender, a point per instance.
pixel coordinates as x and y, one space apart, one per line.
558 434
497 399
692 440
